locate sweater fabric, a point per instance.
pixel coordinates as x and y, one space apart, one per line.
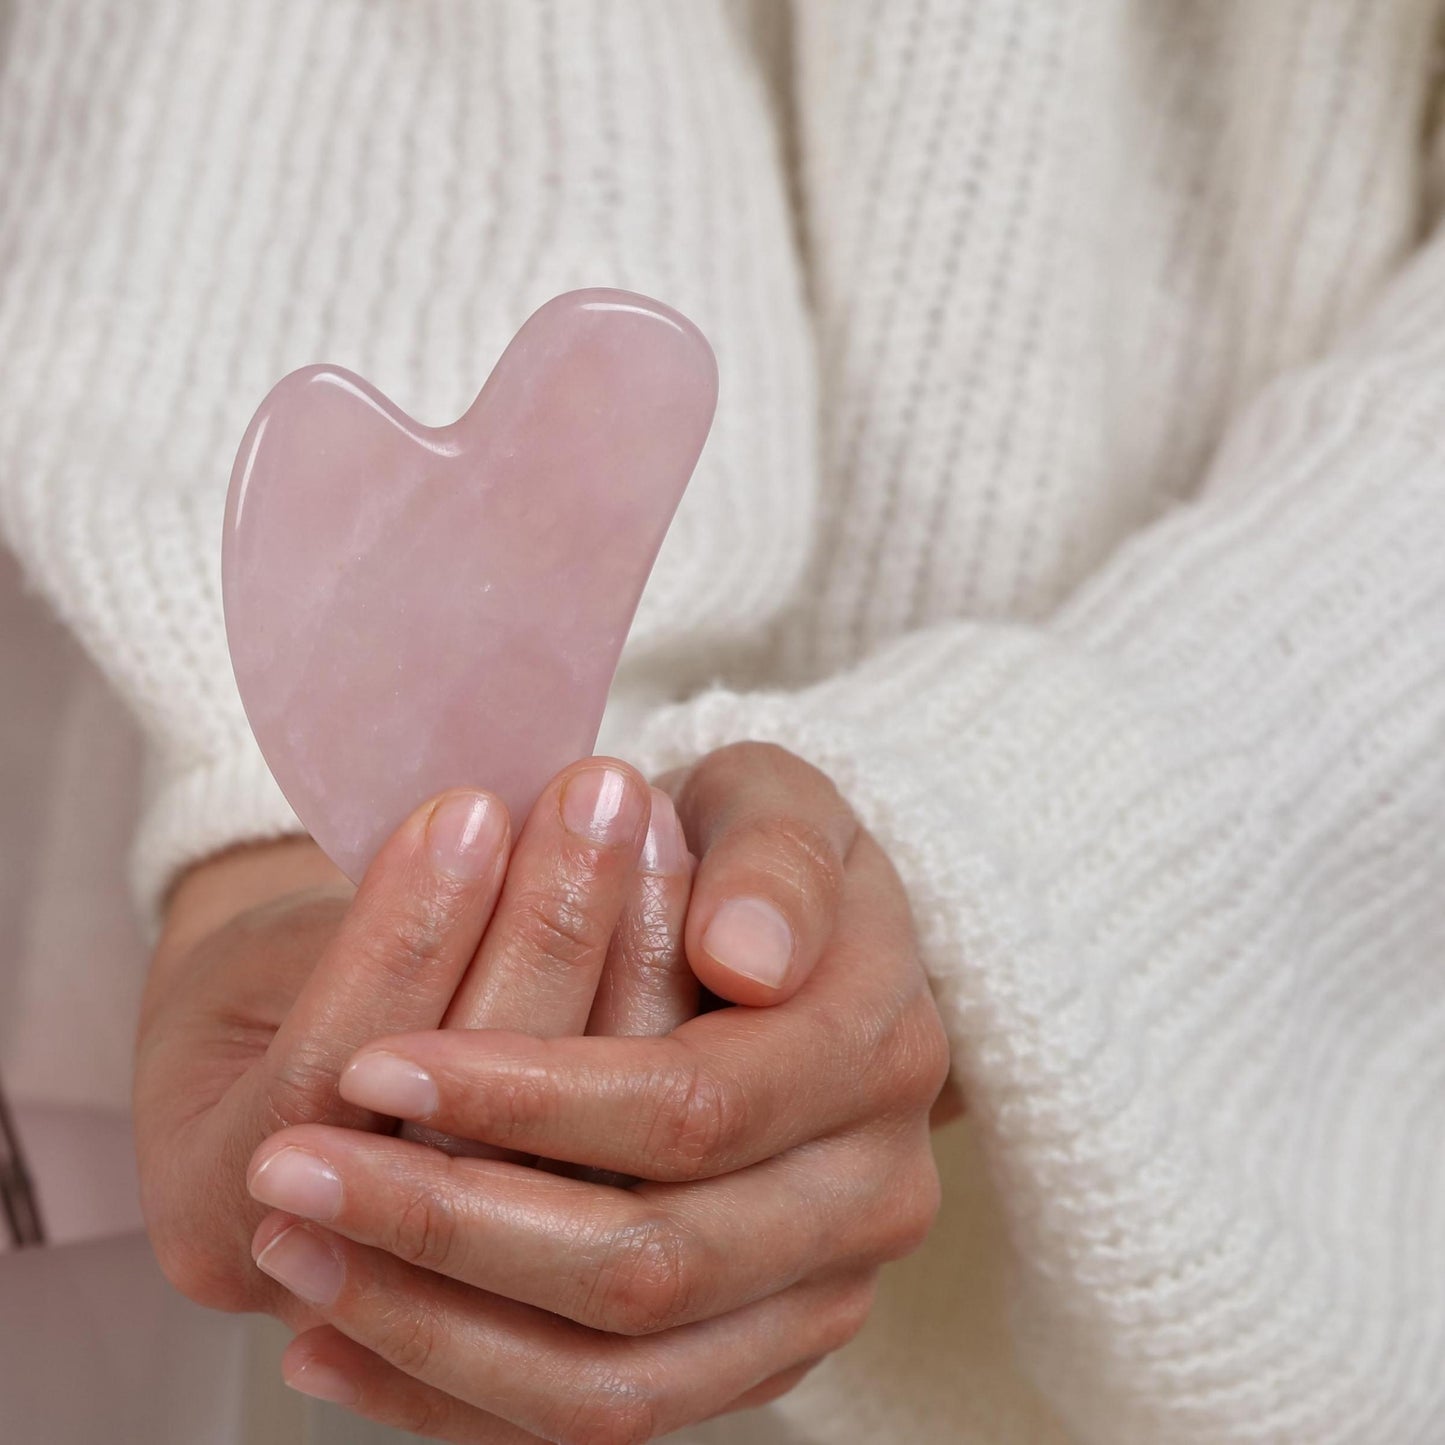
1076 501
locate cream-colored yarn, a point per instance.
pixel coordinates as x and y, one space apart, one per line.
1077 500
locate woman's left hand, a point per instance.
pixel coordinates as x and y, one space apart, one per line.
784 1154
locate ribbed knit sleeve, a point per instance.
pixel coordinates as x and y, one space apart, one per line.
1178 864
1152 726
200 198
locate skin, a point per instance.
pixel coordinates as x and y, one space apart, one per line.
780 1150
271 970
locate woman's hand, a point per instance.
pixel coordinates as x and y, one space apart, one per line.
785 1153
260 988
270 974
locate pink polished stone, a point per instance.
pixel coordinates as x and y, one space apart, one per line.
412 608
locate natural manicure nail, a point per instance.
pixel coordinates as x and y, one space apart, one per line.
602 804
302 1263
322 1382
664 849
752 938
464 834
390 1085
298 1182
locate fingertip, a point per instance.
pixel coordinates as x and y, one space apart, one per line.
664 848
775 838
604 800
390 1084
747 952
314 1377
291 1136
751 937
466 832
460 835
261 1155
315 1363
270 1229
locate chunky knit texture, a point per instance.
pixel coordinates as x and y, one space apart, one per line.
1077 501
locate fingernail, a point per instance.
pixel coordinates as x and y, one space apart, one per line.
322 1382
464 833
298 1182
390 1085
664 849
751 937
602 804
300 1262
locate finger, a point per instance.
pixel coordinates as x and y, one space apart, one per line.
566 884
771 1389
724 1090
325 1365
772 833
569 876
629 1262
544 1374
646 985
400 951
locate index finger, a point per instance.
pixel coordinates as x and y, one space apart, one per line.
726 1089
400 951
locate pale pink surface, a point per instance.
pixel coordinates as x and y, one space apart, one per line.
412 608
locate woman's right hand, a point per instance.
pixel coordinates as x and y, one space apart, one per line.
270 973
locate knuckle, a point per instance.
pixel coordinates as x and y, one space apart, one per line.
848 1314
420 1412
726 764
403 935
517 1103
934 1056
302 1084
699 1114
913 1222
733 781
917 1057
754 756
928 1200
643 1286
779 1385
650 947
812 851
424 1229
411 1338
611 1410
724 771
801 854
416 935
557 927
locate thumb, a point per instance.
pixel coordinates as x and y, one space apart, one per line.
772 834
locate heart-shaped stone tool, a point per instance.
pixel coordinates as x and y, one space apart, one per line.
413 608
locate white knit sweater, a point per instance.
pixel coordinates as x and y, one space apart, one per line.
1076 500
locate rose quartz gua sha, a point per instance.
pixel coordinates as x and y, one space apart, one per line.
413 608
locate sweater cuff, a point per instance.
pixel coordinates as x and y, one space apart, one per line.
1033 742
198 808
